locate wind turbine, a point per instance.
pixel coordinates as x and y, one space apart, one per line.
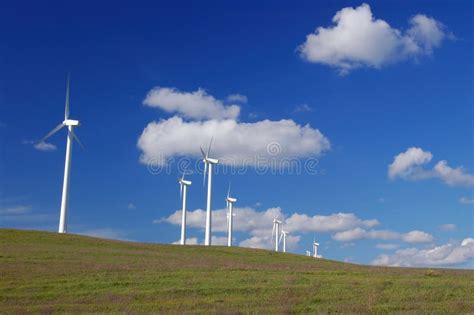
308 253
315 249
230 216
70 124
283 237
208 163
183 187
276 233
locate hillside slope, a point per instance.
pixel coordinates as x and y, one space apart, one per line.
47 272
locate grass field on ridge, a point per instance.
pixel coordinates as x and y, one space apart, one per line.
48 272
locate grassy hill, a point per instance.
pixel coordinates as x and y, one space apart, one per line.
47 272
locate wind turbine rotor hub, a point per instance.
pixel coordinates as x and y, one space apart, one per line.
71 122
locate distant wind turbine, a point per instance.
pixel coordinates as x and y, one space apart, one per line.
70 124
230 216
308 253
183 187
315 249
276 233
283 237
208 163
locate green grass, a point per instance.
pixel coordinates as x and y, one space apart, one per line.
44 272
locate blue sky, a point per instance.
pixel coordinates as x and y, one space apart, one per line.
368 90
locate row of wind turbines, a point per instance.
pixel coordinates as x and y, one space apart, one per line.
278 234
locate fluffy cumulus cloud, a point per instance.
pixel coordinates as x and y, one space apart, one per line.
359 233
411 165
195 105
453 176
452 253
357 39
406 164
258 224
235 143
200 116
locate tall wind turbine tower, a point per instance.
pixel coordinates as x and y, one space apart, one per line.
183 187
283 237
208 164
276 233
315 249
230 216
70 124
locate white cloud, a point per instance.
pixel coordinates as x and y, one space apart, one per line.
360 233
23 214
15 210
444 255
453 176
387 246
417 237
448 227
302 108
248 219
325 224
259 224
44 146
359 40
235 143
265 242
131 206
189 241
196 105
466 201
215 240
408 165
237 98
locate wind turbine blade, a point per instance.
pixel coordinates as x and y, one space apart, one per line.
66 107
202 152
273 234
77 139
209 149
227 225
205 174
52 132
228 191
180 189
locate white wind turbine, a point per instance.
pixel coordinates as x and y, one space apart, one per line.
208 163
183 187
283 234
70 124
230 216
283 237
276 233
308 253
315 249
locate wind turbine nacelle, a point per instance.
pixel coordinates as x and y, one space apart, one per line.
71 122
230 199
211 161
185 182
